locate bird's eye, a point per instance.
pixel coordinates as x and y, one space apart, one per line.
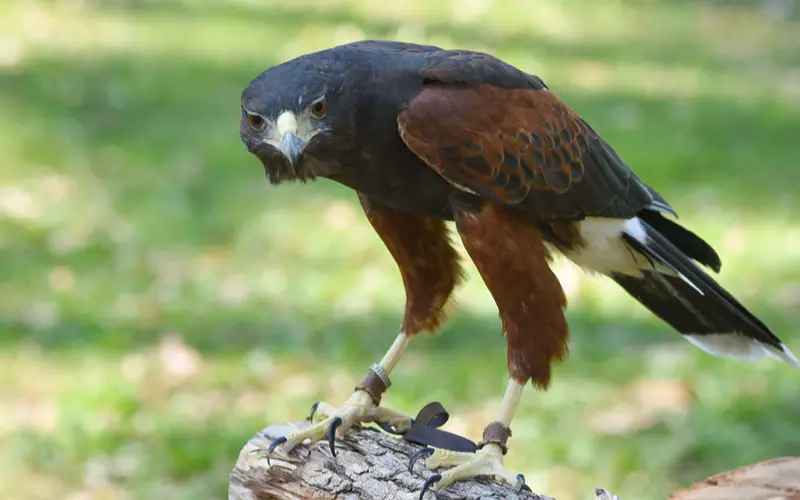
256 121
319 108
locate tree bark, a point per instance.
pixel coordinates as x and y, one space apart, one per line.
373 465
777 479
369 465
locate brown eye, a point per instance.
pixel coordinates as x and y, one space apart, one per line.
255 121
319 108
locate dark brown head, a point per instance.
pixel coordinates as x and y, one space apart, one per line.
328 113
295 115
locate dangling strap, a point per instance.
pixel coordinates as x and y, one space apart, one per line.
425 431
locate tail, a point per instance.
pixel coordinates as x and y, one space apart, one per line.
679 292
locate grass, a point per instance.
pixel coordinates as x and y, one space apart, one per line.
158 304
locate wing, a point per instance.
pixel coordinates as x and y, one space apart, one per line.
520 146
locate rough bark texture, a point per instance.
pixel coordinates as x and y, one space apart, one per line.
369 465
372 465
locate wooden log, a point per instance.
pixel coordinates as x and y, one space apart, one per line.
369 465
776 479
372 465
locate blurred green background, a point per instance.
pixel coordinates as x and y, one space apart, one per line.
160 302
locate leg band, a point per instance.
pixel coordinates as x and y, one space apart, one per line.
375 383
496 433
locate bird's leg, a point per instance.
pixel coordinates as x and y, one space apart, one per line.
361 406
509 253
374 385
428 264
487 461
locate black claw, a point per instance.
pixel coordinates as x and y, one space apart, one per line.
337 422
274 445
418 455
313 411
428 483
522 485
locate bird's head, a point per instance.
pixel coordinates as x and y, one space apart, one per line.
293 115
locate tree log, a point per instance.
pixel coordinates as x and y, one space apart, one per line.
373 465
777 479
369 465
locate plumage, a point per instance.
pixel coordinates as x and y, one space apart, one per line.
427 261
513 262
520 147
689 299
426 135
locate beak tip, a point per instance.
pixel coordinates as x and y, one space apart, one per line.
291 146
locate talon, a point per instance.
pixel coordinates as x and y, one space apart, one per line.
313 411
274 445
337 422
428 483
522 485
419 454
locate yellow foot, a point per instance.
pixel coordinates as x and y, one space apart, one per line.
358 408
488 461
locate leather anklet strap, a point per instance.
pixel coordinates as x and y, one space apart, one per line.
375 383
496 433
424 431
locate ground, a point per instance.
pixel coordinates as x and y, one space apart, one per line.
158 304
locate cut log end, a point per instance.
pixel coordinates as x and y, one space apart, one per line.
777 479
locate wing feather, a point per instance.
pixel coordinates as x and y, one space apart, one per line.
520 147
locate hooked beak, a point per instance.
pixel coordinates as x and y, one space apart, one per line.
291 146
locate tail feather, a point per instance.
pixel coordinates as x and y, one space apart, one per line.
686 241
679 292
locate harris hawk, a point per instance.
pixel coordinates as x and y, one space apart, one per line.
426 136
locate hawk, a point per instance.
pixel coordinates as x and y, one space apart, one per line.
425 136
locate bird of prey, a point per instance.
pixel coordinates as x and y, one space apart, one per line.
424 136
